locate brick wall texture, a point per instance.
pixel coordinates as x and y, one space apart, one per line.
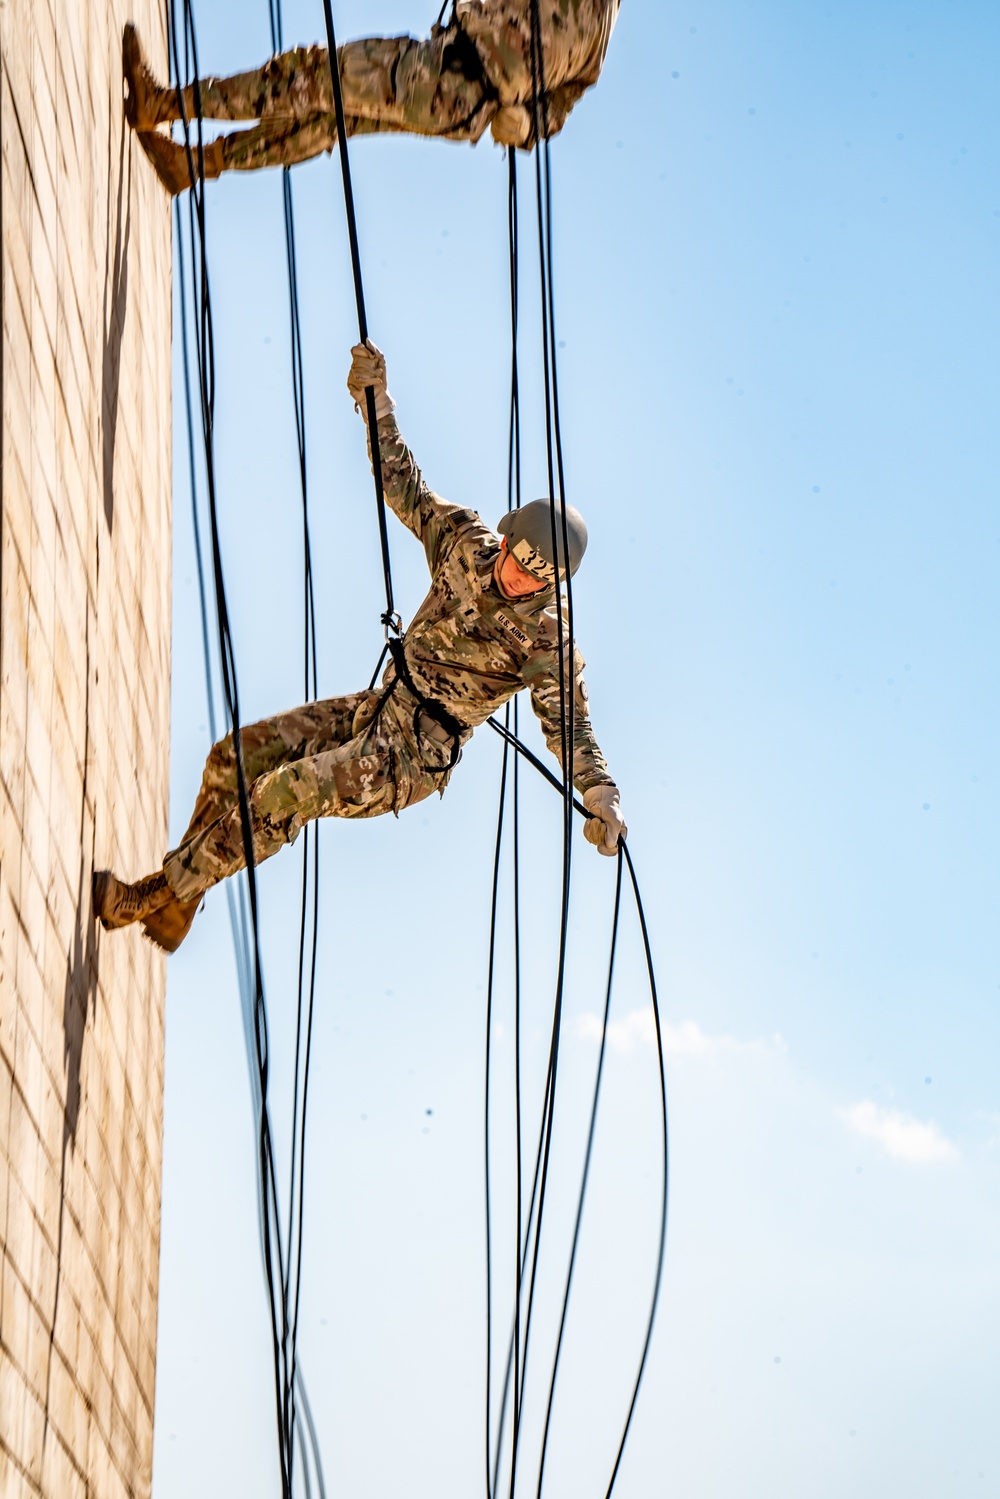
84 708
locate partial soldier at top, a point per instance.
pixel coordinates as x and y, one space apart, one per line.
472 73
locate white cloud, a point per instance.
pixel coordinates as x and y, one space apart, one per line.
686 1039
900 1135
634 1029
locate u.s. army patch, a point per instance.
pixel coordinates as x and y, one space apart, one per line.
511 627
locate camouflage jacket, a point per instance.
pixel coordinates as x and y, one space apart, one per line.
575 36
469 648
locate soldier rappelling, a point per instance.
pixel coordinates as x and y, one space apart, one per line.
489 627
475 72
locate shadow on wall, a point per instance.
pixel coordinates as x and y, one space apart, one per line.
115 309
82 965
83 959
81 989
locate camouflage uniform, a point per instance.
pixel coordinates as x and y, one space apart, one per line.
468 649
473 73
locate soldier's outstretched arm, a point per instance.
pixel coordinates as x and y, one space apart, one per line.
542 676
434 521
590 769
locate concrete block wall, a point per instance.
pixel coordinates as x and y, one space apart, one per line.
84 730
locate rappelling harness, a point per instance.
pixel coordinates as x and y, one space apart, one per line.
451 729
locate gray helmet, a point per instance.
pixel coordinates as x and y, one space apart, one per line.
529 536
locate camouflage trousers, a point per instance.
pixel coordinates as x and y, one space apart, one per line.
336 758
431 87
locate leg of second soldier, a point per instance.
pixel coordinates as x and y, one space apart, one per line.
291 85
431 86
390 84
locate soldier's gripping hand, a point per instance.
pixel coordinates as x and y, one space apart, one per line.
605 825
368 368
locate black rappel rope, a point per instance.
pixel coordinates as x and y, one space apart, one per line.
511 727
390 619
304 1022
204 345
511 741
565 786
565 653
553 433
238 915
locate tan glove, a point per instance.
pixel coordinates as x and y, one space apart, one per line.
368 368
605 825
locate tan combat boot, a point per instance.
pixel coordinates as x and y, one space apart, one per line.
170 161
117 904
168 926
147 103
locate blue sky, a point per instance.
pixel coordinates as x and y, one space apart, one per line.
776 237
